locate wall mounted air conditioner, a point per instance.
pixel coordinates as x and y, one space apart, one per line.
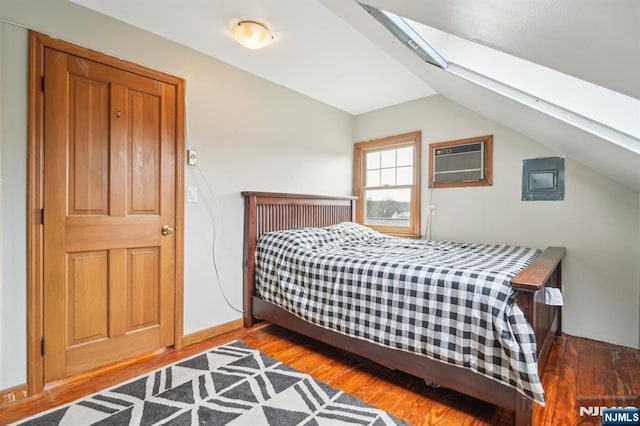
461 163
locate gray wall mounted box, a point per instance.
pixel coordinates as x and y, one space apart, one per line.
543 179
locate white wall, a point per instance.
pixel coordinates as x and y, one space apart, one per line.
250 135
598 222
13 195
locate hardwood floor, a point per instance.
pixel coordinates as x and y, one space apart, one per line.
580 372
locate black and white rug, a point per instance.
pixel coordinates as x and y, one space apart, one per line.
232 384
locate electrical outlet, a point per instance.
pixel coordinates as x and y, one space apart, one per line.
192 157
432 209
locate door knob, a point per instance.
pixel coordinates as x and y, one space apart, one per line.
166 230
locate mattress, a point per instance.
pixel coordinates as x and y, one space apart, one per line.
451 302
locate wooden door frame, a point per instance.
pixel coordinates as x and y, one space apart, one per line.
35 283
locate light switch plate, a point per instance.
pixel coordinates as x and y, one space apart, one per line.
192 194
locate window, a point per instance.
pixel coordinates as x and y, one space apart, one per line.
386 179
460 163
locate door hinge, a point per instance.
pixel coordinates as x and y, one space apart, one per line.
42 216
42 346
42 84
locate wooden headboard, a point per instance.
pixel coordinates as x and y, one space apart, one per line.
269 211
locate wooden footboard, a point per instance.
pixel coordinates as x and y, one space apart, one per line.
530 285
266 212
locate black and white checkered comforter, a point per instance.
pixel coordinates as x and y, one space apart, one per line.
451 302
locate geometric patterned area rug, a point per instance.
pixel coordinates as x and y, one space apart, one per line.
232 384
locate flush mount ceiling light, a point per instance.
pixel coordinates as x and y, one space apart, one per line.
251 34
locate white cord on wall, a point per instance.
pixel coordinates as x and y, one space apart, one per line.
429 216
215 215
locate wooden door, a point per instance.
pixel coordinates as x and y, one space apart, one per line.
109 188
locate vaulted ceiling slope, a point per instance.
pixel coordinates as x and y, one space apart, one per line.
614 154
334 51
594 40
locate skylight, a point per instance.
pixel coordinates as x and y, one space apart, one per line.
404 31
600 111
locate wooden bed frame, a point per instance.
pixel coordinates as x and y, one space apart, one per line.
266 212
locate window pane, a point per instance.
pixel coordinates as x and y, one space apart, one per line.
373 178
388 177
373 160
388 158
388 207
405 156
405 175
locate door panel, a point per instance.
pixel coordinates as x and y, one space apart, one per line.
88 301
88 146
142 288
145 153
109 173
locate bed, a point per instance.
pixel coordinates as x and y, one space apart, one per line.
267 212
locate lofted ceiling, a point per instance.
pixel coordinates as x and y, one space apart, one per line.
595 40
313 52
333 51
